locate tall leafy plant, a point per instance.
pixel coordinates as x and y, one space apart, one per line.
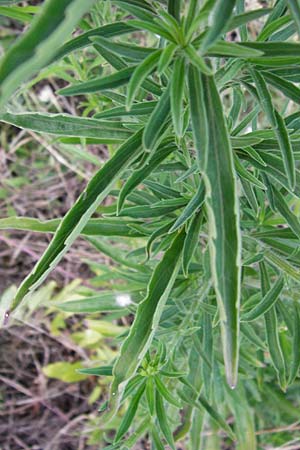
206 135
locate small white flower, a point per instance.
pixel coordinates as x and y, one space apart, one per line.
123 300
45 94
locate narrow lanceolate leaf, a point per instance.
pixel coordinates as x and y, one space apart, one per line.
157 121
147 318
36 48
286 150
265 97
221 16
199 401
139 75
283 207
177 94
84 39
15 13
78 216
130 51
266 303
194 204
271 324
163 420
94 227
247 175
224 48
286 87
99 84
166 393
197 60
97 371
191 241
67 125
294 7
242 19
223 214
137 109
166 57
106 302
296 344
140 174
198 116
130 413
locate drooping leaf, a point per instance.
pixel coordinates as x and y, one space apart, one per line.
79 214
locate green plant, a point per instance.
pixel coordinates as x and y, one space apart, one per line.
209 131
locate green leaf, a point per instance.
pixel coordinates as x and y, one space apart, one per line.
191 241
295 10
296 344
201 402
97 371
129 51
138 8
15 13
157 121
285 211
224 48
159 232
197 60
286 87
272 331
137 109
166 393
223 215
198 116
278 262
105 302
77 217
241 19
265 97
83 40
147 317
99 84
275 49
286 150
150 395
93 227
266 303
155 28
166 57
247 175
38 45
156 439
139 75
140 174
222 13
67 125
163 420
273 26
194 204
177 95
130 413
